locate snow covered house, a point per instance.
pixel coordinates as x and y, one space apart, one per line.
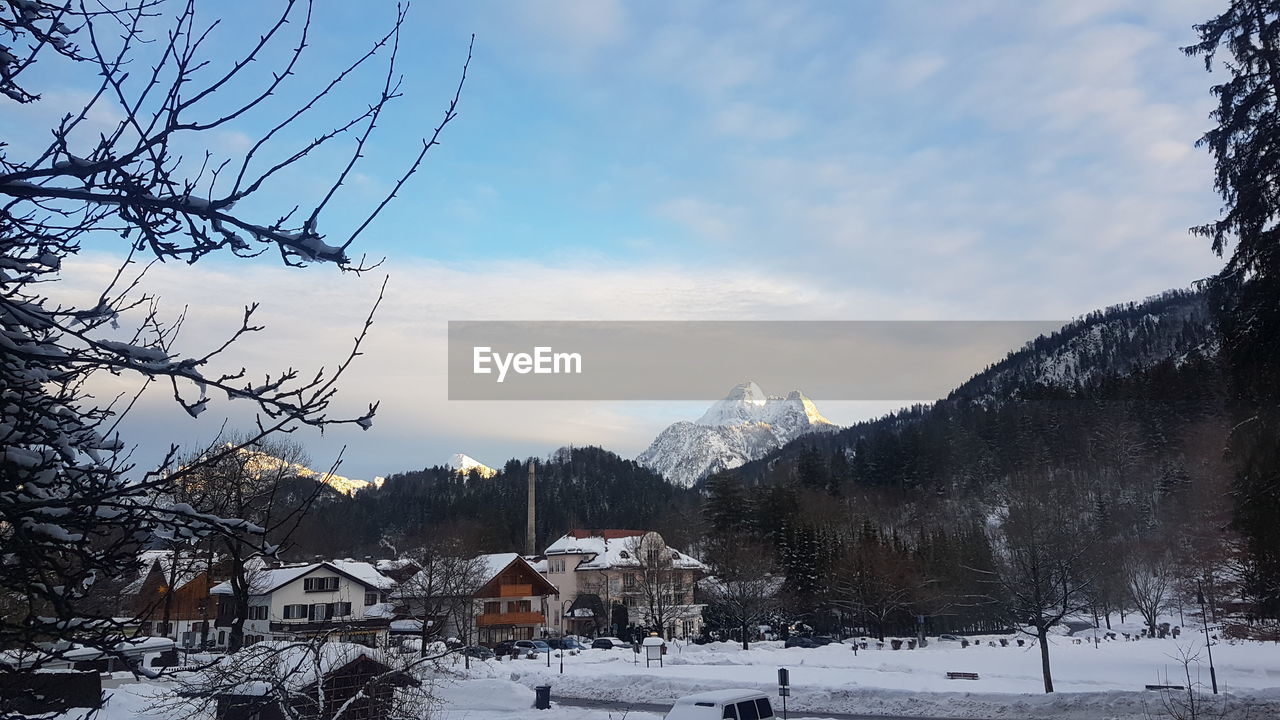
345 598
275 681
513 602
622 578
170 597
509 602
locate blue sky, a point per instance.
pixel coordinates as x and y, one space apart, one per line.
797 160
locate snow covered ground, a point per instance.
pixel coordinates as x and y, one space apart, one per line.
1103 682
460 699
1091 682
494 699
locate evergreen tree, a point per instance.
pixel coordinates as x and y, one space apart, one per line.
811 471
1245 145
724 510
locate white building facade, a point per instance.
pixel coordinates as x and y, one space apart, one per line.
599 570
343 598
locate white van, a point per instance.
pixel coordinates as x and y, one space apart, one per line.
722 704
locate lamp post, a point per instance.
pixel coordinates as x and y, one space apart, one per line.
1204 617
563 626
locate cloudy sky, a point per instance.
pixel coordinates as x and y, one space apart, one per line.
699 160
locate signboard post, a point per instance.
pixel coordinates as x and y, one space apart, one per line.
653 650
784 689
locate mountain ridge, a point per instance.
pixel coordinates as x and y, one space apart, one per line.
744 425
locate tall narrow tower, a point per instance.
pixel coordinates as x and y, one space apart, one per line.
529 547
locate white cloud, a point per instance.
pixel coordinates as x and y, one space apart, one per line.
311 315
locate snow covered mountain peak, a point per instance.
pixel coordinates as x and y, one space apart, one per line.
743 426
747 403
464 464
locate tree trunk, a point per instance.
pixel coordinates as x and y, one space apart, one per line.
744 636
235 636
422 649
239 582
1043 634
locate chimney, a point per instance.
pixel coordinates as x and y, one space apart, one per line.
529 548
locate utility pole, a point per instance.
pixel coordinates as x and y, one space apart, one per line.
529 537
1204 617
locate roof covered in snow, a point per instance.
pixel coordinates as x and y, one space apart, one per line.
612 549
295 665
495 563
188 568
268 580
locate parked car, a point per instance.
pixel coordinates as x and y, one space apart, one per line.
808 641
515 647
720 704
478 652
949 638
564 643
607 643
526 647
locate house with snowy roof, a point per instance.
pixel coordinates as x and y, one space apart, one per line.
510 602
623 578
514 600
345 599
170 597
275 681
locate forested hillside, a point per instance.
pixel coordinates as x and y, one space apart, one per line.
1145 368
576 487
1110 431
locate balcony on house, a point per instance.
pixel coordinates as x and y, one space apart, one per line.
508 591
491 619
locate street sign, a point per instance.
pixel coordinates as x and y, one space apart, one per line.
784 689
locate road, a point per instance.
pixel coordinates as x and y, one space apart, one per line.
792 715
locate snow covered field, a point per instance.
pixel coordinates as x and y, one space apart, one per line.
1091 683
1106 682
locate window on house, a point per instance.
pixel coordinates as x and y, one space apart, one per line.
320 584
342 609
257 612
629 581
492 608
295 612
319 612
370 598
